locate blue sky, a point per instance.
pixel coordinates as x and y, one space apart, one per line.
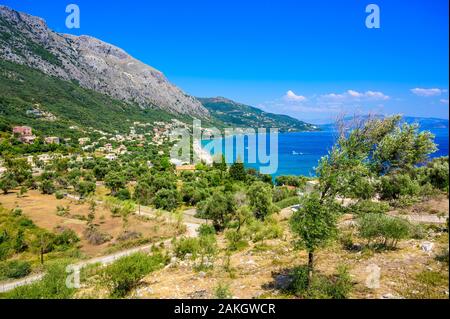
309 59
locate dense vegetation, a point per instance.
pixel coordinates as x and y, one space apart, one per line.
233 114
377 158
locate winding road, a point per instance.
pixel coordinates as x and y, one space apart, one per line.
192 224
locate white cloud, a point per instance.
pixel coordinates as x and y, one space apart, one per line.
352 95
444 101
292 97
331 103
427 92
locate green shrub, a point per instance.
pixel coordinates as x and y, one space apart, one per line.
52 286
206 229
222 291
124 274
66 238
337 286
186 246
387 230
396 185
288 202
59 195
168 199
281 193
14 269
123 194
369 207
235 240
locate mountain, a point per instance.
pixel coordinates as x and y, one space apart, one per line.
91 63
233 114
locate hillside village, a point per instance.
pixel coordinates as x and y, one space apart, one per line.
211 230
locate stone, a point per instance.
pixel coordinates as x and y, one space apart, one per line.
427 246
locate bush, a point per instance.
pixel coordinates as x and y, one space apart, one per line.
123 275
123 194
95 237
52 286
288 202
337 286
281 193
235 240
369 207
186 246
66 238
59 195
436 173
385 228
394 186
167 199
222 291
205 230
14 269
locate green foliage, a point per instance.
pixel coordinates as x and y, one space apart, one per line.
383 229
168 199
288 202
52 286
72 104
124 274
322 287
296 181
47 187
85 188
222 291
19 235
315 222
436 173
14 269
280 193
237 171
232 114
369 207
7 182
206 230
185 246
260 196
235 240
123 194
397 185
59 195
258 230
115 181
220 208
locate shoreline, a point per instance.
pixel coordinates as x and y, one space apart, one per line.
201 153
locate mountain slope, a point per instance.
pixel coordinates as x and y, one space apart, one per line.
93 64
235 114
24 91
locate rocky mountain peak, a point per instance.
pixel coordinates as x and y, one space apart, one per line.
94 64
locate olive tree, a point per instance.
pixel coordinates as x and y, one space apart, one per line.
314 224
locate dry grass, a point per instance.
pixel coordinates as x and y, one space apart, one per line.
41 209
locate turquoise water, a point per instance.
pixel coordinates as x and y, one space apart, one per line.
299 153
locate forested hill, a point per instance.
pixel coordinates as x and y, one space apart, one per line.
235 114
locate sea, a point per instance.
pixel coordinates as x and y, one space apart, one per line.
299 152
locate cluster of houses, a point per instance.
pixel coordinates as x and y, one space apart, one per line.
25 135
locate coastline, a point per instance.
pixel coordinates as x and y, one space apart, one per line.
202 154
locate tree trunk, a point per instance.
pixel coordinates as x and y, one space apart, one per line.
310 267
42 255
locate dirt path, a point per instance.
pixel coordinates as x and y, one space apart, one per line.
191 231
